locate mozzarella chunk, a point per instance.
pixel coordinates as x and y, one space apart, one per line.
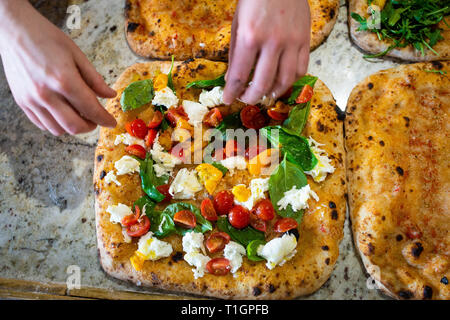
127 165
212 98
165 97
118 212
185 185
323 166
279 250
297 198
193 241
258 187
195 112
231 163
151 248
111 177
128 140
233 251
164 161
198 261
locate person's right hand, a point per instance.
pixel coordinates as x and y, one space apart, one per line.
50 78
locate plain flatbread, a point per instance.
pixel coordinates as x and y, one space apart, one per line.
397 140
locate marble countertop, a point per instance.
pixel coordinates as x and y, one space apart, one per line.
47 220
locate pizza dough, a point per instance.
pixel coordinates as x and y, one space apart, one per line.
369 41
397 141
320 232
201 28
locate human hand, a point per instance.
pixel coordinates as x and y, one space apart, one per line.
50 78
271 36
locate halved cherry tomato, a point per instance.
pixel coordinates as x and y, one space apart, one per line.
185 219
156 121
305 95
150 137
140 228
207 210
275 115
173 114
257 223
218 266
254 150
264 210
223 202
136 150
239 217
217 241
164 190
137 128
253 118
213 118
131 218
284 225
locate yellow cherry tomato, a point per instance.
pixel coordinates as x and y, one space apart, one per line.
209 175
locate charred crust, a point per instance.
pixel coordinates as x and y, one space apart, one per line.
405 294
371 248
437 65
188 61
370 85
340 114
399 237
132 26
256 291
102 174
399 170
271 288
334 215
332 13
327 261
178 256
99 158
325 248
381 143
332 205
444 280
427 292
417 250
406 121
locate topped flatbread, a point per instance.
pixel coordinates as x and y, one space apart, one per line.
225 228
397 141
201 28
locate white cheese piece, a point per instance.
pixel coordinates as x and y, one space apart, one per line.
111 177
164 161
152 248
258 187
126 237
279 250
197 260
128 139
118 212
231 163
233 251
195 112
211 98
165 97
297 198
323 166
185 184
127 165
193 241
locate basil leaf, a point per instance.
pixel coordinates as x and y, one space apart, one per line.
297 87
207 84
294 147
284 177
222 168
146 202
297 119
202 226
243 236
252 250
161 224
231 121
149 180
169 76
137 94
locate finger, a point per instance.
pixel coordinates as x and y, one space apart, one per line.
239 70
33 118
233 41
286 71
265 72
47 120
302 61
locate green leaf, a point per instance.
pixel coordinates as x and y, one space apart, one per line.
137 94
207 84
243 236
169 76
297 87
252 250
231 121
161 224
297 119
149 180
202 226
223 169
146 202
284 178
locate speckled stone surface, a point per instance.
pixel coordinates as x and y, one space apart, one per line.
47 220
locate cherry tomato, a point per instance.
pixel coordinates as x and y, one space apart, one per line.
254 150
131 218
223 202
150 137
173 114
137 128
275 115
285 224
239 217
232 149
305 95
218 266
136 150
156 121
257 223
253 118
208 211
264 210
185 219
217 241
140 228
164 190
213 118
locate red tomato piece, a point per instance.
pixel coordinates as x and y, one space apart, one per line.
275 115
164 190
254 150
140 228
257 223
185 219
218 266
217 241
285 224
156 120
137 128
223 202
232 149
253 118
150 137
305 95
132 218
239 217
264 210
207 210
173 114
213 118
136 150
